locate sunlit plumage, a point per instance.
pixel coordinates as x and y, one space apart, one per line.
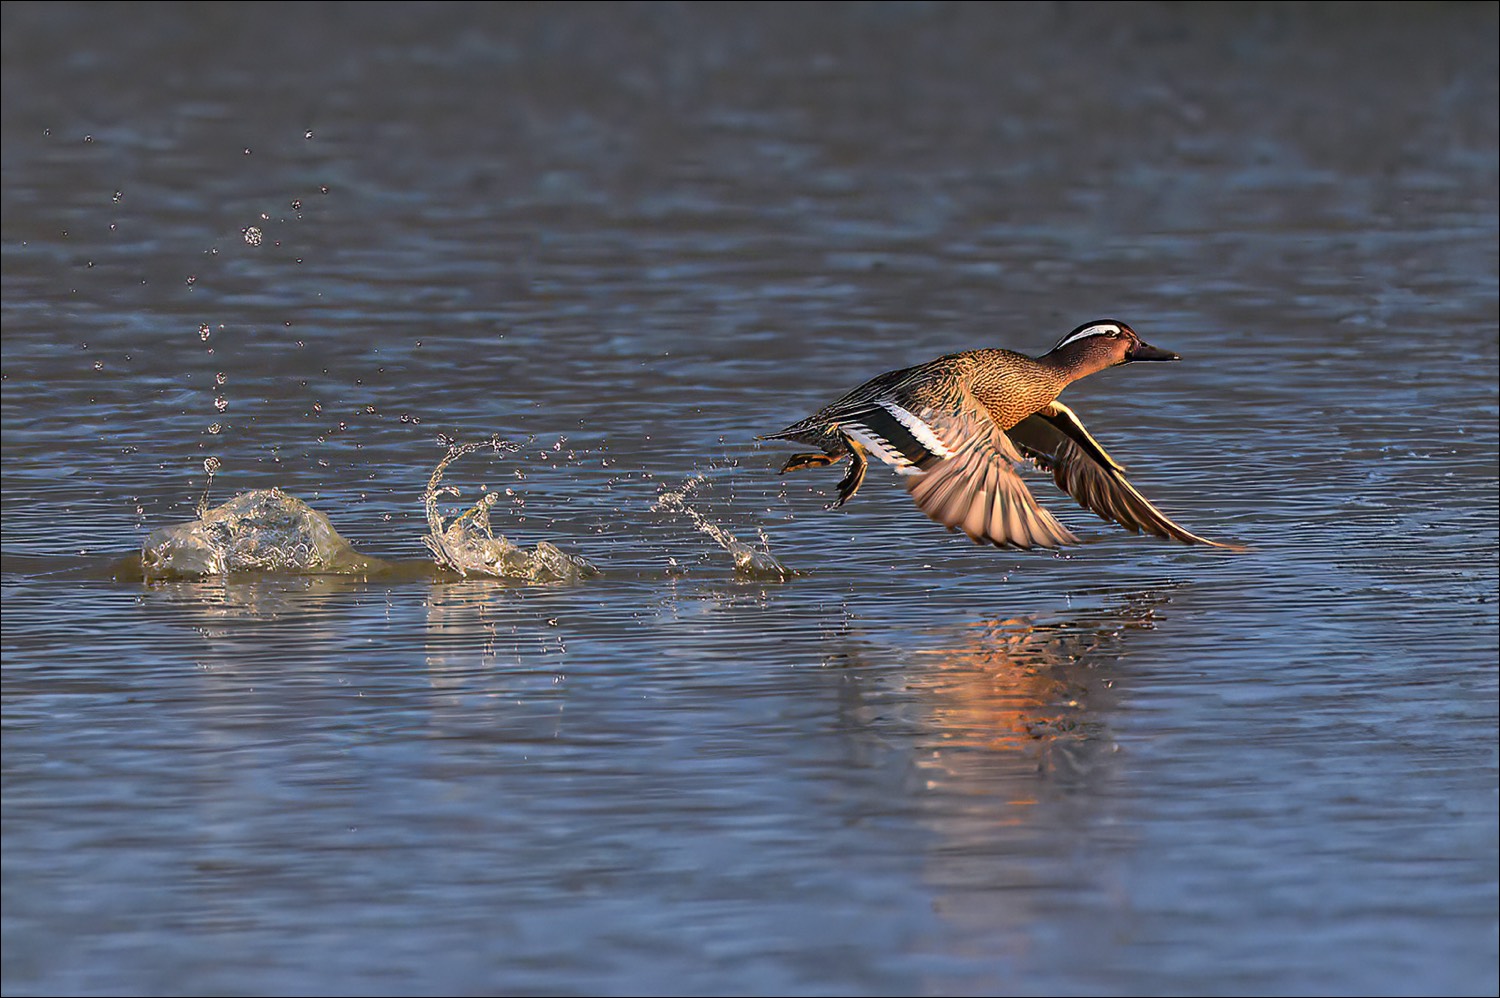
957 427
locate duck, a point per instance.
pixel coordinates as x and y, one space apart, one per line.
957 429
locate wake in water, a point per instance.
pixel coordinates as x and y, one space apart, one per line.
750 561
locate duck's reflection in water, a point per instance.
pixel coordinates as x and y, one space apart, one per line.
1018 687
1019 777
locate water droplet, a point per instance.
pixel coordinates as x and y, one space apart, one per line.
119 196
216 429
88 138
192 278
317 407
212 465
322 188
98 365
253 235
308 134
296 204
220 378
221 403
204 332
247 150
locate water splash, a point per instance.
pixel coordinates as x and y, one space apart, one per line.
267 530
261 531
469 546
750 561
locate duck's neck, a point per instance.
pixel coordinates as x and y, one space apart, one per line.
1074 361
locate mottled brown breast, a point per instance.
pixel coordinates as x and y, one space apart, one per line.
1012 386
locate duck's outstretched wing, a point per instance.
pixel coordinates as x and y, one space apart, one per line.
966 479
1056 440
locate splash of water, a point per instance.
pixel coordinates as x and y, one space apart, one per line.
266 530
261 531
748 560
469 546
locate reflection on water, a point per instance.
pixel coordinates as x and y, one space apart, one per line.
1017 776
1017 686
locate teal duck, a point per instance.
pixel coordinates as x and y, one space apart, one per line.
956 428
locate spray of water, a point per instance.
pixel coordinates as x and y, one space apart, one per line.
469 546
754 562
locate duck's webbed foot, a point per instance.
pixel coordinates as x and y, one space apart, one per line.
855 478
801 462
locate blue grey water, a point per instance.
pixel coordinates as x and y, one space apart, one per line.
313 242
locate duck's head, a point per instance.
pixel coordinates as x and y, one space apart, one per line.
1103 343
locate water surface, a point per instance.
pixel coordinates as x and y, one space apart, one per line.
316 244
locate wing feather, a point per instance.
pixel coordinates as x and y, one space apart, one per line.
976 487
1056 441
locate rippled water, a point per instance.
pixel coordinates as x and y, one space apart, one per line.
633 238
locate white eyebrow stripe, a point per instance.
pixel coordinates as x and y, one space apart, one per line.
1098 329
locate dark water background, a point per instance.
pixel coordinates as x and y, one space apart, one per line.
639 235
